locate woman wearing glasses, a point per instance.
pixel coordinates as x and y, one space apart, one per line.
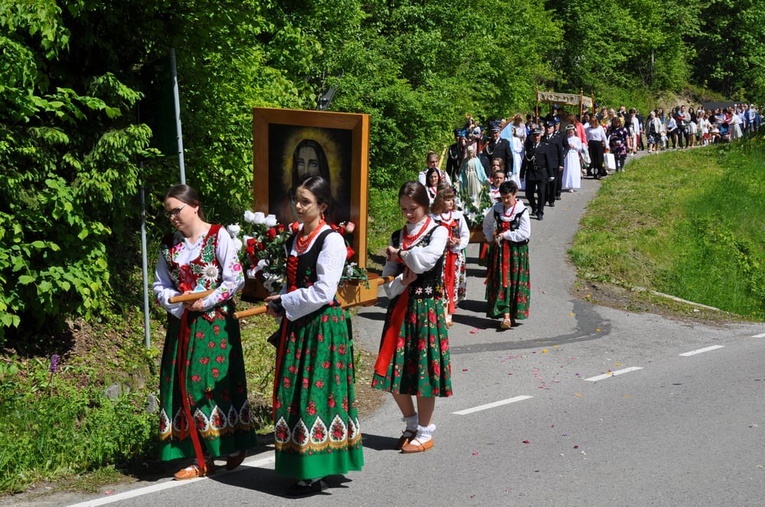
204 412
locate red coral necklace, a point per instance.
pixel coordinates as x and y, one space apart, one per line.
302 243
409 240
512 210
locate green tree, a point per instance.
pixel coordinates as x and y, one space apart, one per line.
67 154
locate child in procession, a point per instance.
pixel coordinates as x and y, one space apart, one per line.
507 228
414 361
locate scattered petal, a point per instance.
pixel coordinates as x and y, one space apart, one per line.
576 447
476 453
464 369
618 364
597 330
571 314
578 395
474 330
544 351
527 441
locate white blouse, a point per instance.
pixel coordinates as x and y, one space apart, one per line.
418 258
522 233
329 269
462 229
595 133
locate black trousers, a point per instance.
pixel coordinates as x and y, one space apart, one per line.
596 158
554 188
536 193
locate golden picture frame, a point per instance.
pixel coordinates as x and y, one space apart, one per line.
338 144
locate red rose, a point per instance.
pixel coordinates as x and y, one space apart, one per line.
271 233
349 253
280 227
294 227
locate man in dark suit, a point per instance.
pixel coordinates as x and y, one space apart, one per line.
537 170
497 148
456 154
557 154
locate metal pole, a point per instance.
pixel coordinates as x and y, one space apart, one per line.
145 269
177 102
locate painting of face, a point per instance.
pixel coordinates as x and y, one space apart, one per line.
307 162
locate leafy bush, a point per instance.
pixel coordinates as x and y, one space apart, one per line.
53 427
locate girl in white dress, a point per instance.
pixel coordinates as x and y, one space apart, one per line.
572 166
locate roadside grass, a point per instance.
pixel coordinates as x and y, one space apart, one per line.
686 223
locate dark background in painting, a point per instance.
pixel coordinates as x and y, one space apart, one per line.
337 145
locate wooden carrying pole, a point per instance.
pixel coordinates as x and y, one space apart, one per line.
190 296
262 309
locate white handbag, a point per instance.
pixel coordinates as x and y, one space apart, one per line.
610 161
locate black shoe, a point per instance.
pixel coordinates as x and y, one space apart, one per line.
533 211
305 488
551 204
557 198
540 217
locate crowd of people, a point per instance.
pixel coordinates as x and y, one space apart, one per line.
549 155
204 412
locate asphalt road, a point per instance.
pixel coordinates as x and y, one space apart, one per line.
582 405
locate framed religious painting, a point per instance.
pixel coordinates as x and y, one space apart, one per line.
289 144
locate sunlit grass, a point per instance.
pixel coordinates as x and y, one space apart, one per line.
684 223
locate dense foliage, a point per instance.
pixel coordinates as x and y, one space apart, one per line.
79 87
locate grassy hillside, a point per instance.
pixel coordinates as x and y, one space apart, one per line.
686 223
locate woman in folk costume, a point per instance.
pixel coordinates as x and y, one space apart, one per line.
455 277
316 421
433 182
572 165
508 287
204 410
414 351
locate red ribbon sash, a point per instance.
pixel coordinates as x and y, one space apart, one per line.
181 363
450 269
388 346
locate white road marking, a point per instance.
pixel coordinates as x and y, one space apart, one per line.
492 405
163 486
613 373
761 335
701 351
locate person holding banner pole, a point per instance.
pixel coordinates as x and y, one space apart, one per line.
316 423
204 411
414 360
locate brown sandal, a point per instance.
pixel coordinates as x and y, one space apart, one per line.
416 446
194 471
404 439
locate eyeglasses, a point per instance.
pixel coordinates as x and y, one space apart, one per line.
174 212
